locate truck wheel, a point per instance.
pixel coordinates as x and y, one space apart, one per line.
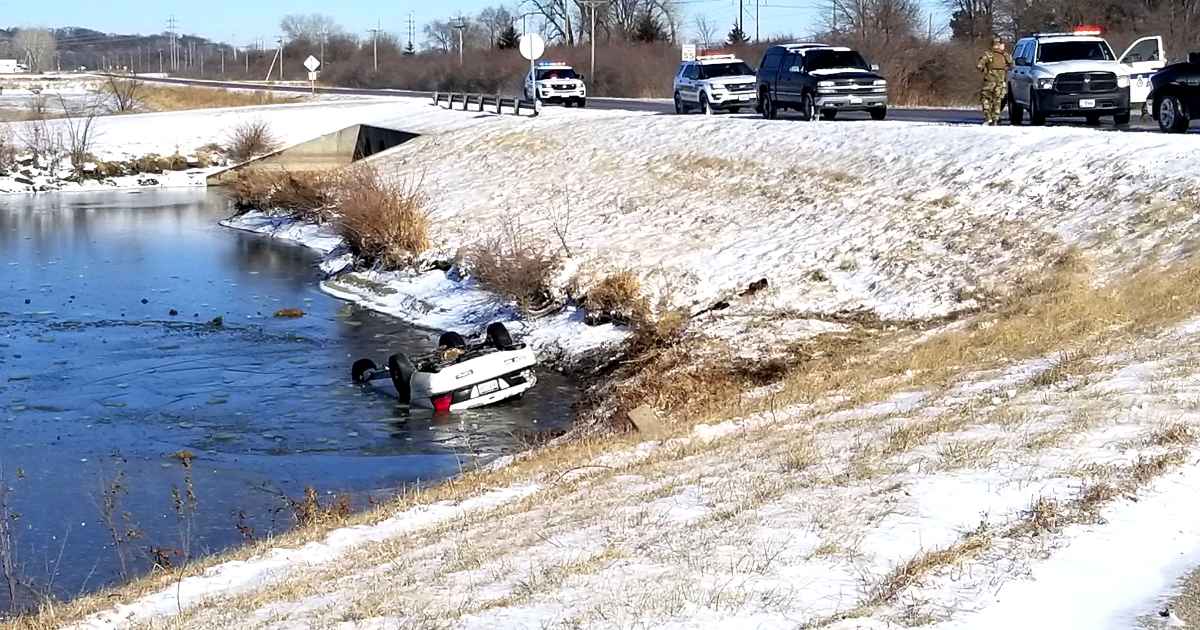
1036 117
828 114
1172 117
680 108
808 108
1016 113
582 103
1093 120
879 113
451 339
768 107
358 371
401 370
1121 119
499 337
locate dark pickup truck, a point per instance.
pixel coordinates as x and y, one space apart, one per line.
1176 95
817 79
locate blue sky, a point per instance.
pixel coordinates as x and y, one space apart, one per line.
246 20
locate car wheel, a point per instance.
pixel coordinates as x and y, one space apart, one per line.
401 370
451 339
499 337
808 108
828 114
582 103
680 108
1172 117
734 110
1036 117
879 113
768 107
1122 119
1016 113
1093 119
705 108
358 371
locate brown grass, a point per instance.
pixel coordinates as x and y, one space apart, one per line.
158 98
250 139
1177 434
385 223
307 196
911 571
615 297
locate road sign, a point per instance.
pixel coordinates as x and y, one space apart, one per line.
312 75
312 63
689 52
532 46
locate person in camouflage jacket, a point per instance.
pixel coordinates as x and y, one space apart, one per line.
994 66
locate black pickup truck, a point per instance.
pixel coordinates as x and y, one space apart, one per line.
1176 95
818 79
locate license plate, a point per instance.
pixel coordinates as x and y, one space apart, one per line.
488 387
1087 103
856 100
743 98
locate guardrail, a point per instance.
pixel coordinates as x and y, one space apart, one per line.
494 102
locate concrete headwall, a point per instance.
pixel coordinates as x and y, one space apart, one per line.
328 152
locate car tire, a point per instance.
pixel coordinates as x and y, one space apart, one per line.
879 113
1036 117
401 371
1016 113
498 336
768 107
808 108
358 371
829 114
1092 119
581 103
705 106
734 110
1122 119
680 106
451 339
1172 116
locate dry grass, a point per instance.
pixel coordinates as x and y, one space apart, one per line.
615 297
307 196
385 223
158 98
1177 434
515 266
910 572
249 140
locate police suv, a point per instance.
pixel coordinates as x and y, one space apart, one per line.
714 82
1077 74
555 82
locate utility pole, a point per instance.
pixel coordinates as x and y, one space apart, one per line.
757 6
459 24
281 51
375 43
323 34
201 62
592 4
160 62
171 31
222 61
412 31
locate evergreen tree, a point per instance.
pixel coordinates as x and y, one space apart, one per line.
649 29
737 36
409 50
508 38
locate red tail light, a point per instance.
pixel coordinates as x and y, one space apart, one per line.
441 404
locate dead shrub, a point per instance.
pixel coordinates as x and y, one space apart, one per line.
159 98
385 223
251 190
310 512
615 297
149 163
124 94
1178 434
305 196
514 266
251 139
174 162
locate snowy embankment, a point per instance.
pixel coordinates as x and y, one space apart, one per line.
127 137
845 220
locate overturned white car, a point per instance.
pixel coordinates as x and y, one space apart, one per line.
458 375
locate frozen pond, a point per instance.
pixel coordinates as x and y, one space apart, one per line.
110 366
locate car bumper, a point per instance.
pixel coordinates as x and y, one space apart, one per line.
1052 103
551 97
851 102
733 99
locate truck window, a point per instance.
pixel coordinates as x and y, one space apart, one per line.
1144 51
1051 52
834 59
770 62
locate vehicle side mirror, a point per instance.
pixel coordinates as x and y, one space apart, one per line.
1021 61
1194 57
583 77
794 70
874 67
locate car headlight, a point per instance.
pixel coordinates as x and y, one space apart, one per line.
1045 84
825 84
1122 81
880 83
717 88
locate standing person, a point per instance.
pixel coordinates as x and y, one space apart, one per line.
994 65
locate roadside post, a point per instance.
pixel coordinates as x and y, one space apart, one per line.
313 64
532 48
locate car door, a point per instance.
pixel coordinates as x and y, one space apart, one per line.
1021 78
1143 58
787 88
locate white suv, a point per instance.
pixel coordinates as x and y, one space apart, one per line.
1077 74
553 82
714 82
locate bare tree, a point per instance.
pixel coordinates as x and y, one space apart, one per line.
706 31
125 93
78 131
971 20
494 20
873 24
37 45
311 27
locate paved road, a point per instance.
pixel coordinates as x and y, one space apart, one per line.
945 116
